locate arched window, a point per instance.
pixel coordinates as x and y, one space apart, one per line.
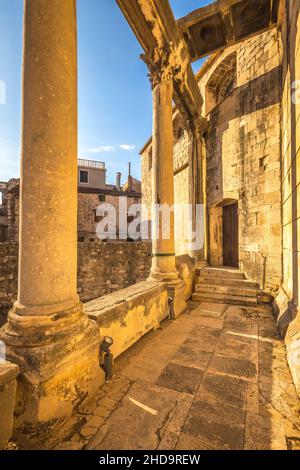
178 127
222 82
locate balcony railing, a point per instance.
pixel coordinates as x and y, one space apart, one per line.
91 164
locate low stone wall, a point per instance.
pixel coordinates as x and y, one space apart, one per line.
288 320
8 387
103 268
130 313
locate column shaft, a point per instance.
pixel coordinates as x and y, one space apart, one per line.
48 211
48 335
163 261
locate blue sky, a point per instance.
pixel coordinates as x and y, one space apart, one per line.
115 106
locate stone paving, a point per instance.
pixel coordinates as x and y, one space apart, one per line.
216 378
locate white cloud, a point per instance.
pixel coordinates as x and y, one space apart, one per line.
102 149
127 147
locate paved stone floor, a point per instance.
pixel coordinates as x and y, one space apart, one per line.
216 378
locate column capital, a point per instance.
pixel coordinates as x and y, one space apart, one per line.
162 64
198 126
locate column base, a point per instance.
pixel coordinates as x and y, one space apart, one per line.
159 276
59 370
176 293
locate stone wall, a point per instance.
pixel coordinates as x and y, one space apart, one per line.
88 204
243 154
105 267
288 299
8 277
102 268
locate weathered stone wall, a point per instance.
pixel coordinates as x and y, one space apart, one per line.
87 205
243 155
13 209
105 267
102 268
288 299
8 277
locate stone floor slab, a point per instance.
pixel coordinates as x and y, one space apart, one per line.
136 424
200 383
180 378
217 427
187 356
220 390
264 434
235 367
210 308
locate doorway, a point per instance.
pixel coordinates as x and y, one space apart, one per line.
230 236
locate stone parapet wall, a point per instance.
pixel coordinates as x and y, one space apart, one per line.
102 268
130 313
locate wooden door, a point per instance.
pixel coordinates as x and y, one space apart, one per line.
230 236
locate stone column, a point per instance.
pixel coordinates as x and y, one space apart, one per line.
199 191
47 334
163 242
163 250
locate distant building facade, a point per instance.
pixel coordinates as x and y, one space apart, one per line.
93 192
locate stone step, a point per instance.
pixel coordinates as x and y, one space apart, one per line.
231 273
226 290
226 299
242 283
264 298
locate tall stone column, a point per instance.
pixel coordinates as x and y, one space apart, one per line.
163 249
47 333
197 177
163 241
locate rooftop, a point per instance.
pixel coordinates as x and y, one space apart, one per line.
91 164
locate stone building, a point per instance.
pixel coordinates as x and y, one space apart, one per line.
226 139
93 191
249 153
241 101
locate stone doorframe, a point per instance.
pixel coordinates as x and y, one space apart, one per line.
215 231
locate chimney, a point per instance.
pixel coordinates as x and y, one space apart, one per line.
129 178
118 181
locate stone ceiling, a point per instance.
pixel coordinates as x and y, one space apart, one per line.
226 22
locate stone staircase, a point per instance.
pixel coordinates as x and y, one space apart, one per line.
229 286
